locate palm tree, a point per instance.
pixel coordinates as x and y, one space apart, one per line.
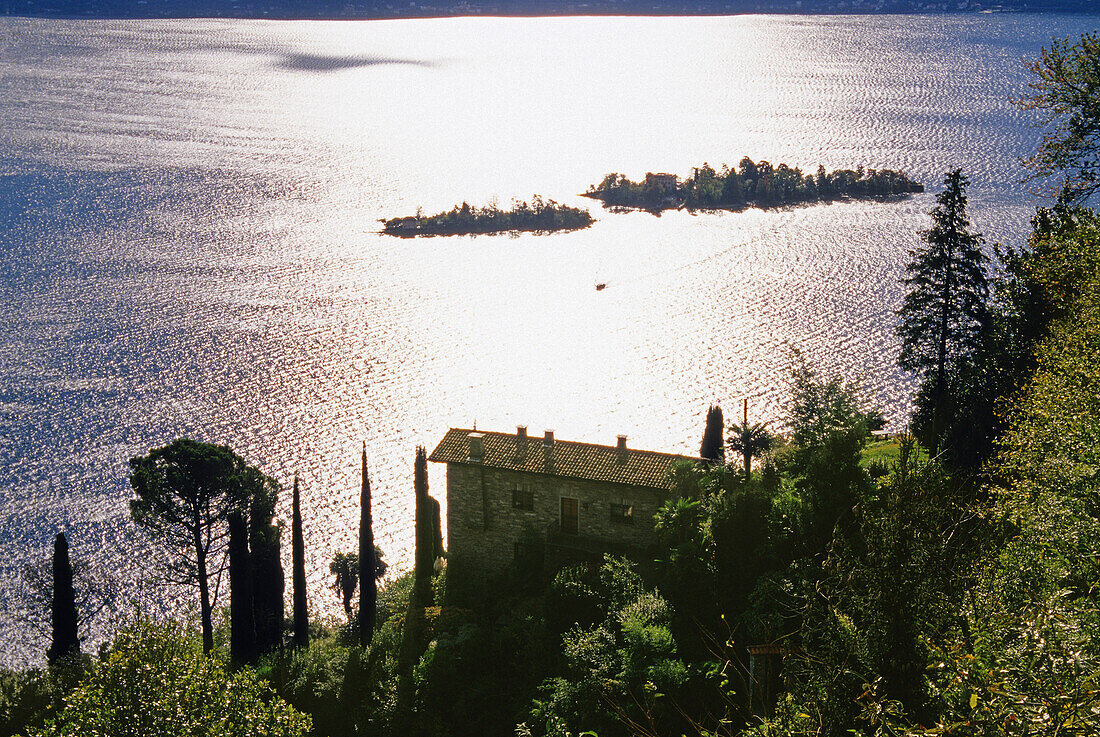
750 441
345 566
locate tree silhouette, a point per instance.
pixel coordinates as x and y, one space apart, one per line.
185 494
65 642
945 307
265 546
345 566
242 622
298 554
749 440
368 589
712 448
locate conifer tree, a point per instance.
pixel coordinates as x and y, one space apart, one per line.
265 544
434 515
63 606
298 553
412 638
185 494
242 624
945 308
712 448
368 584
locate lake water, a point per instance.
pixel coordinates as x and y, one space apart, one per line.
189 242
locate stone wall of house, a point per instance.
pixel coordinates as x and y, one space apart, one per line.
484 524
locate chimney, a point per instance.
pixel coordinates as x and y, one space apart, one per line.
477 447
521 442
620 450
548 451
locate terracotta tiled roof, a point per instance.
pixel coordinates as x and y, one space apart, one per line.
568 459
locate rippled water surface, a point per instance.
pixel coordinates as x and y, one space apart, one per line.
189 241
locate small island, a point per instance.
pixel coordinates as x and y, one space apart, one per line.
751 184
540 216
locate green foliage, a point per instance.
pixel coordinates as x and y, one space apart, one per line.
573 599
1066 90
311 679
541 216
393 598
747 544
155 680
478 675
818 407
28 699
1026 657
620 669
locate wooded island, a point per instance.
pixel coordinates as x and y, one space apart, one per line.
540 216
750 184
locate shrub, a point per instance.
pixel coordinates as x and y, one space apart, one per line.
154 680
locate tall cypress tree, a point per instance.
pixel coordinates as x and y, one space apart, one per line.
437 530
412 637
425 535
264 542
713 449
63 605
368 564
946 306
298 553
242 624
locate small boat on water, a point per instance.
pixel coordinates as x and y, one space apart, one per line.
601 286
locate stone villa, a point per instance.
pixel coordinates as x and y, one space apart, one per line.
575 501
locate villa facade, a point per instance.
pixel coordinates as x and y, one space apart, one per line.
507 492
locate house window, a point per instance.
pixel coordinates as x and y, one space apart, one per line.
523 499
622 514
570 516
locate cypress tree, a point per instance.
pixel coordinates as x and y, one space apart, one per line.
264 540
63 605
412 638
368 584
712 448
425 535
242 624
437 530
298 553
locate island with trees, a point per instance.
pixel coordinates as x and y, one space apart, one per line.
538 216
750 184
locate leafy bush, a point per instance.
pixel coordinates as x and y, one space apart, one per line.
154 680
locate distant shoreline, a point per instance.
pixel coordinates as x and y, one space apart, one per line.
183 10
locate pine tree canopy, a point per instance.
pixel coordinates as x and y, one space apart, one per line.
948 290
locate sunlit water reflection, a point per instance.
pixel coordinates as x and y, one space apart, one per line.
189 245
